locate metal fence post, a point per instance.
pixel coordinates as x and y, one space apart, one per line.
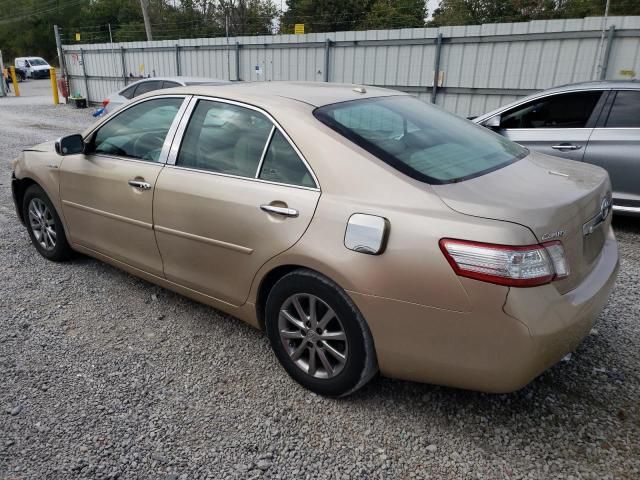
124 69
84 74
607 52
56 32
3 92
436 69
238 61
178 60
327 51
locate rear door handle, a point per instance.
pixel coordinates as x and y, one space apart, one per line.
140 184
285 211
566 146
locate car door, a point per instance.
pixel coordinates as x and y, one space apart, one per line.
235 193
558 124
107 192
615 146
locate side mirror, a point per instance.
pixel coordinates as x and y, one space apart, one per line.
493 122
70 145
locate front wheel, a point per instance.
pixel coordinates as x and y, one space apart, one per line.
318 334
44 225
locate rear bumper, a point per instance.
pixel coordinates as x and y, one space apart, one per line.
511 337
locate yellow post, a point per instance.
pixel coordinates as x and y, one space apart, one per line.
16 89
54 86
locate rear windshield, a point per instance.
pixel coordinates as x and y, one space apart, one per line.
419 139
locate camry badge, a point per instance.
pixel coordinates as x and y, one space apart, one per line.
550 235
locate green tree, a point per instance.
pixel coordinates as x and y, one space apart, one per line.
324 16
395 14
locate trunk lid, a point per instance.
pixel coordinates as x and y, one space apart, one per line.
554 198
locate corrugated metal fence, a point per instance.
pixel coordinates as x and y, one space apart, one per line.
481 67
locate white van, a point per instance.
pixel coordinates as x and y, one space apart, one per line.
34 67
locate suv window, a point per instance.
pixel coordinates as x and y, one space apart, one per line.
567 110
149 86
625 112
139 131
283 165
419 139
224 138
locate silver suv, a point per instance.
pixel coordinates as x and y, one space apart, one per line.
594 122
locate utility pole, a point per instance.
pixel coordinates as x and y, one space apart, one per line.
144 4
600 66
226 27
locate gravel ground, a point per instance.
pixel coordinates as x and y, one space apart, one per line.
107 376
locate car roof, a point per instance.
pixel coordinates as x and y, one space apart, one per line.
183 80
595 85
316 94
569 87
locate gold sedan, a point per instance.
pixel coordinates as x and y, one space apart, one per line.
361 228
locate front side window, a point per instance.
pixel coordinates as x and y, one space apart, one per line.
139 131
419 139
224 138
625 112
567 110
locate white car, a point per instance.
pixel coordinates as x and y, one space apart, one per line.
34 67
115 100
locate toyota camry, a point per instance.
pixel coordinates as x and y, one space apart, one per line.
360 228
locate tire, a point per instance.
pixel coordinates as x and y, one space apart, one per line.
339 367
50 241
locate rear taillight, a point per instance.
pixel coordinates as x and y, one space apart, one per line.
516 266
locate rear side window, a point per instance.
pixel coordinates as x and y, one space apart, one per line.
149 86
283 165
625 112
224 138
419 139
567 110
128 92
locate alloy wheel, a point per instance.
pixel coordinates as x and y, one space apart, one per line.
42 224
313 336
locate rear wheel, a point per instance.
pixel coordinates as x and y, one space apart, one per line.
44 225
318 334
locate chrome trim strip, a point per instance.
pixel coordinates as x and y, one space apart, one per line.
264 151
207 240
176 141
624 208
251 179
168 139
112 216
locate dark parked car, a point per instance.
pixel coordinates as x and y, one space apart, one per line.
593 122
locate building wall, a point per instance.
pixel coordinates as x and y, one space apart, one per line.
482 66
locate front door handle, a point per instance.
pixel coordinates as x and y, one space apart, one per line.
285 211
140 184
566 146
